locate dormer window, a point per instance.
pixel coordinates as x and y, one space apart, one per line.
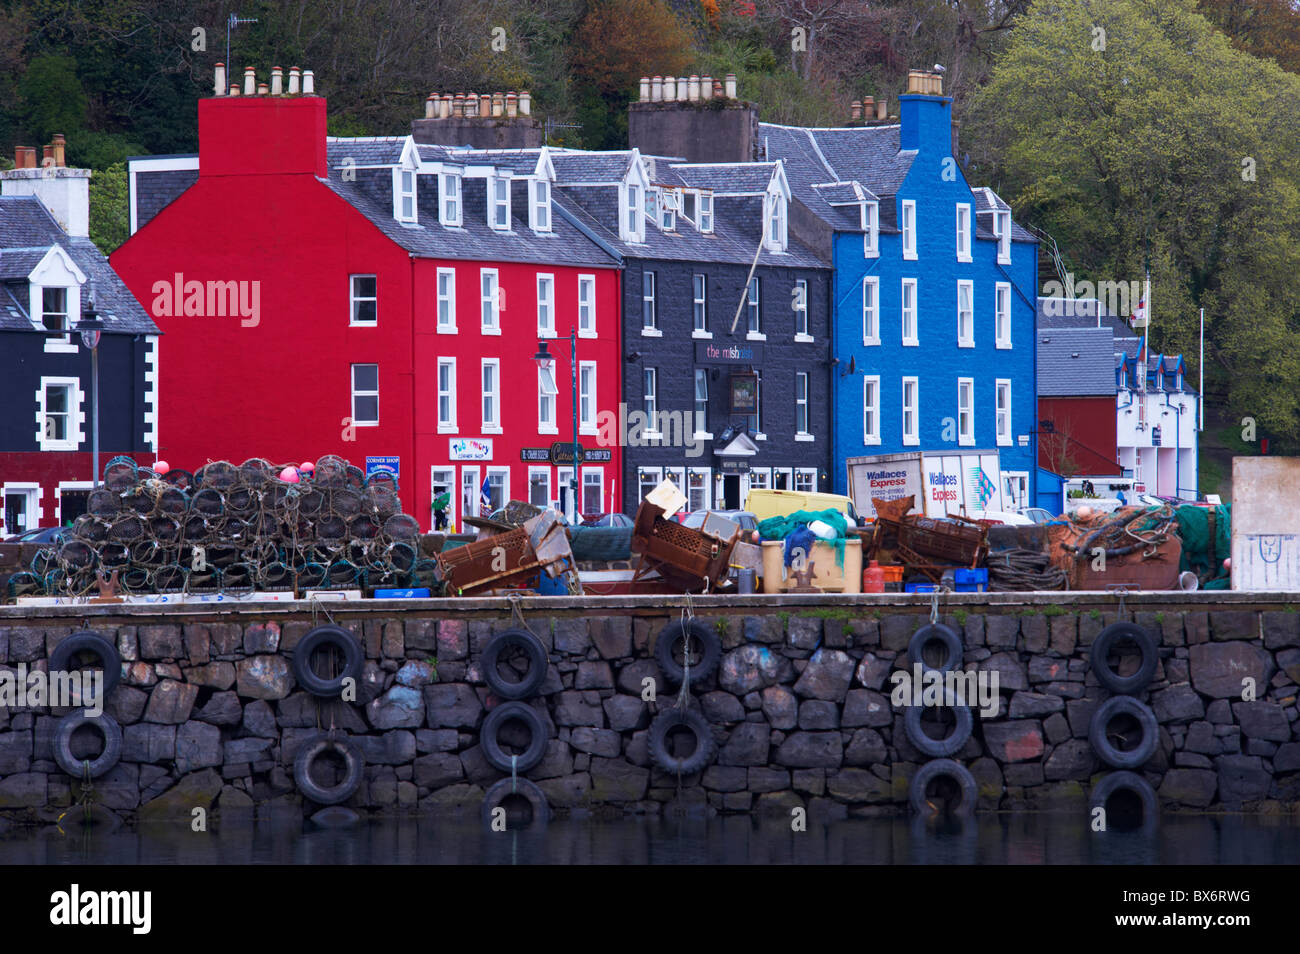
54 309
1003 222
1123 376
706 211
449 199
871 226
541 206
632 229
406 195
668 211
690 207
499 203
774 216
652 204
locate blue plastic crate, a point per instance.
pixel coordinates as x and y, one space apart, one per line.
416 594
970 576
920 587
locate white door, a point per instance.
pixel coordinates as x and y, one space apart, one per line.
442 480
470 490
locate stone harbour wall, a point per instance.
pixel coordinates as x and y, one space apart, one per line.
799 706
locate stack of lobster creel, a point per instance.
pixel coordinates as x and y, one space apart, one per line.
235 529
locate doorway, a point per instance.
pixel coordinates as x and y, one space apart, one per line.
731 491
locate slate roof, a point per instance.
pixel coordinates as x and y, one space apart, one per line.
157 189
25 226
729 178
1075 362
1081 313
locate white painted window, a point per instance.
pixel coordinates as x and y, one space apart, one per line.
471 492
668 210
54 310
442 480
1002 315
701 401
446 395
701 305
755 312
871 409
447 299
490 298
691 207
965 411
871 225
758 408
587 397
801 404
586 306
774 215
449 199
800 297
647 479
546 306
364 300
965 314
760 478
805 479
706 211
539 486
593 491
963 232
632 231
546 391
541 206
499 203
498 488
649 315
911 411
491 395
871 310
1003 423
908 226
1002 221
59 416
697 488
650 400
365 394
909 312
406 196
782 478
59 310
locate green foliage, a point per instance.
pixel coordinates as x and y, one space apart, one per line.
1054 609
960 616
109 215
51 99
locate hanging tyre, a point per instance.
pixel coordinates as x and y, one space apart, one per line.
664 744
1136 747
503 658
89 642
1138 787
524 803
926 803
676 640
325 637
1107 640
341 789
87 817
932 633
81 768
927 744
502 721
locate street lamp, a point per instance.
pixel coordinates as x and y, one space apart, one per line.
91 327
546 362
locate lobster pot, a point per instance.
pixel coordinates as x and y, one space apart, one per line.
345 502
208 501
312 576
363 527
262 553
389 577
205 580
401 526
242 501
382 500
103 502
383 479
114 555
151 553
25 584
331 471
144 474
44 561
164 528
120 474
354 477
342 573
238 577
136 579
90 529
281 497
195 528
331 527
138 500
77 554
126 528
222 555
180 479
311 502
402 556
261 525
257 471
170 578
218 475
274 576
171 501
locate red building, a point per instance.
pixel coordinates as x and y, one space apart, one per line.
1076 400
372 298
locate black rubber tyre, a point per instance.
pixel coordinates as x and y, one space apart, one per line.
1101 647
307 756
107 727
939 632
502 643
335 816
88 641
89 817
938 748
940 768
1130 781
491 743
1106 750
523 788
705 656
671 719
319 638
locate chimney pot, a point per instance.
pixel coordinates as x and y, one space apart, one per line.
683 88
308 83
429 108
219 80
485 105
693 89
512 105
498 105
706 87
448 106
277 81
458 104
234 89
263 89
882 108
645 89
670 88
855 111
250 81
48 158
60 143
868 108
731 86
657 89
293 80
525 103
471 105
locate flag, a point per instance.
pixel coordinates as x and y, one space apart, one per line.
1139 317
485 499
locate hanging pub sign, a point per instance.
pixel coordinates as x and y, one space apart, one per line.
744 393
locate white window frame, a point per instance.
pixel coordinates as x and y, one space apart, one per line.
650 401
401 194
706 212
912 435
966 435
352 374
907 224
963 232
1002 416
586 306
706 473
354 299
497 203
805 403
651 330
754 311
648 476
965 313
547 399
668 210
448 424
491 398
473 507
805 472
632 224
871 230
453 495
31 492
599 474
490 302
71 316
539 205
774 220
909 315
1002 315
701 433
545 305
758 407
1002 228
801 314
587 398
450 205
76 414
871 310
871 408
535 471
504 474
449 299
700 306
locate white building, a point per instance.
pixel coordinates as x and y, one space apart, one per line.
1156 429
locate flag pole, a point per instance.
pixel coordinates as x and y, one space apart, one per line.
1200 393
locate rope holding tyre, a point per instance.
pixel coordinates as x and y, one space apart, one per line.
320 638
1106 641
1108 751
89 641
942 768
938 748
1126 781
489 737
532 648
353 763
700 756
109 731
675 638
523 788
936 632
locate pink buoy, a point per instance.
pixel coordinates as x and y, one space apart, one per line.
161 467
307 467
290 475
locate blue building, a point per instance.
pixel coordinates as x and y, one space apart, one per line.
934 299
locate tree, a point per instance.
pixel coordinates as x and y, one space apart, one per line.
1268 28
109 221
619 41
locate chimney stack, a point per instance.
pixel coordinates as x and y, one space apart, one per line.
219 80
500 120
64 192
726 132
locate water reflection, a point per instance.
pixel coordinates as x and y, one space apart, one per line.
1019 839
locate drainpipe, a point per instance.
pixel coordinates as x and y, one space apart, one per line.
1178 445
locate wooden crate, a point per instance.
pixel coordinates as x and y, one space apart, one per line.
687 558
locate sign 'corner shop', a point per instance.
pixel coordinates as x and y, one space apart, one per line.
941 483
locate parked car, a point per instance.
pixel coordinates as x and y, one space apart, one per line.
1002 516
1037 514
764 503
606 520
696 520
37 535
